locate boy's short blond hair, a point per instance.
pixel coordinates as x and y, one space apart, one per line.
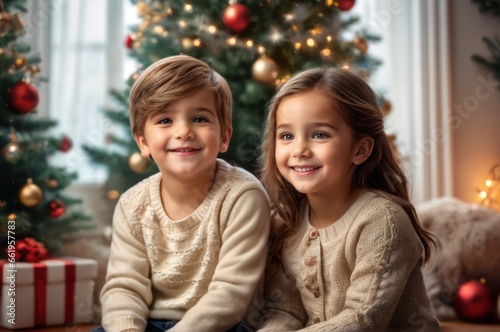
172 78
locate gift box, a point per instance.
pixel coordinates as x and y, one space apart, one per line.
55 291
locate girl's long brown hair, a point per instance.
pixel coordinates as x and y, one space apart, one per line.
356 102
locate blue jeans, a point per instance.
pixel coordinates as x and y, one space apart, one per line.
158 325
154 325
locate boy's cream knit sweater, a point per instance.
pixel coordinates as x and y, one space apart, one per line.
202 270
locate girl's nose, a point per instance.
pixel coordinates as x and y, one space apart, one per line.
300 149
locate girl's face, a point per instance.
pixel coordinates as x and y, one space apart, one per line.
315 149
185 138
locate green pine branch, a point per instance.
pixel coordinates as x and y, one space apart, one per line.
493 64
488 6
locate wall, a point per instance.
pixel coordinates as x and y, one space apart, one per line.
476 105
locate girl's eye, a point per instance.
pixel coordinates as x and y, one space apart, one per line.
319 135
286 136
200 119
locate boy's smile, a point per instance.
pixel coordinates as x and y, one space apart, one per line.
188 151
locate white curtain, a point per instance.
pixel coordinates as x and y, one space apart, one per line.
83 56
415 77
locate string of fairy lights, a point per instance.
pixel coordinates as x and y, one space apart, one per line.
490 194
236 18
156 11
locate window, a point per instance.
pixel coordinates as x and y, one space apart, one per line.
83 56
416 78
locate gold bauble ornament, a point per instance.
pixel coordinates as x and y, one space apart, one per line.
30 194
34 70
113 194
20 62
12 152
142 8
361 44
265 71
138 163
52 183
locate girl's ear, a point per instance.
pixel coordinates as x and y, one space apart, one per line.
226 137
363 150
143 145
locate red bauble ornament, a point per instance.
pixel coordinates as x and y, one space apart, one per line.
236 17
345 5
56 208
474 301
129 41
22 97
66 144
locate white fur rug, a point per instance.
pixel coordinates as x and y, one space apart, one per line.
470 249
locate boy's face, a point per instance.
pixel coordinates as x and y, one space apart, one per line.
185 138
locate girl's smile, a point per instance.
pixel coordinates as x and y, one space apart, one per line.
305 170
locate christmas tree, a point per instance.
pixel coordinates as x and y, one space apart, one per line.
254 44
35 215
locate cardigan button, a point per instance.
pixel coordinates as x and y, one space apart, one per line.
317 294
310 261
308 281
316 319
313 234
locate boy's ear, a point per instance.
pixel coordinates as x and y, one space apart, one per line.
226 137
363 151
143 145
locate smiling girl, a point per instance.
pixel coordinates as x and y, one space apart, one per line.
347 247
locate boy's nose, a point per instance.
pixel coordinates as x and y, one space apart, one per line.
183 131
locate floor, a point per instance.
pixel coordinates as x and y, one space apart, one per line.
76 328
457 326
450 326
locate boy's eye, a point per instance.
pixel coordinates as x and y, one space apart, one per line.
165 121
200 119
286 136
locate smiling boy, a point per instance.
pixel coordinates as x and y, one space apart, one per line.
189 243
